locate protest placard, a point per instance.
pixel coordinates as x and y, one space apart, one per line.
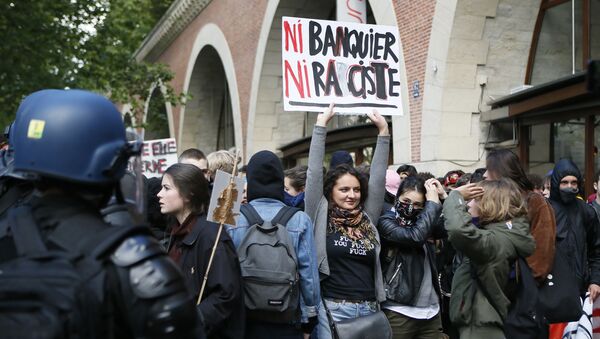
157 156
355 66
226 199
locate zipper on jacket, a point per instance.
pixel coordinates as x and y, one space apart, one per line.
395 273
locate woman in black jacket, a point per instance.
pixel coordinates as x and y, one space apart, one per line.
184 196
410 275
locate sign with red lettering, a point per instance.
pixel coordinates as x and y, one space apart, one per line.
355 66
157 156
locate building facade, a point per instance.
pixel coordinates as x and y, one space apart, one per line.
464 64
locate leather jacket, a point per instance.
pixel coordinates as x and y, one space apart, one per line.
402 255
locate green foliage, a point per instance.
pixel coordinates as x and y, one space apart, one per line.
157 124
79 44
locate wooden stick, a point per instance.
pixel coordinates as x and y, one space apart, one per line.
221 222
212 255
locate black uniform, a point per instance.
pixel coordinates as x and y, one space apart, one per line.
142 291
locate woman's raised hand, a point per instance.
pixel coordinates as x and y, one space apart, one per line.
379 121
432 192
324 118
440 188
470 191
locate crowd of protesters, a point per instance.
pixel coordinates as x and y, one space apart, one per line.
434 257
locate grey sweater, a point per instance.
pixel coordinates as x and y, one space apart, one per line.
316 205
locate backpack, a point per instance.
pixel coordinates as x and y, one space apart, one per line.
524 319
269 267
47 293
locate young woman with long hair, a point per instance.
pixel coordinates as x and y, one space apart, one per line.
479 301
345 210
184 197
504 163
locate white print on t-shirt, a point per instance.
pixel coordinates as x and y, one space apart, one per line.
357 247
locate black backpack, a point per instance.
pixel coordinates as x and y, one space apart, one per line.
269 267
47 293
525 317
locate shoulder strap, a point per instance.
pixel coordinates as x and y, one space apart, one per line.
92 241
251 214
26 233
284 215
13 195
485 291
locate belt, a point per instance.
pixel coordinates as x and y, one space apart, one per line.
350 301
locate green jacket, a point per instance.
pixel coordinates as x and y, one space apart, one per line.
490 250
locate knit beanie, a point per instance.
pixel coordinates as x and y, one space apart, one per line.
339 158
265 176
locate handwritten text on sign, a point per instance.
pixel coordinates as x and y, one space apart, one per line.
355 66
157 156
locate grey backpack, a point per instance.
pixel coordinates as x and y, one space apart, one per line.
269 267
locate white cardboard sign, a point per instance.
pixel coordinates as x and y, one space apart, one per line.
356 66
157 156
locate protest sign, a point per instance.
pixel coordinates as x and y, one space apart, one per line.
355 66
157 156
226 199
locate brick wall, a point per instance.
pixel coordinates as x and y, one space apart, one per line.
240 22
414 25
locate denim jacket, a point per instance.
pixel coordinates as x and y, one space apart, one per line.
301 232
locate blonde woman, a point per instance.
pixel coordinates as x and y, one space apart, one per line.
488 253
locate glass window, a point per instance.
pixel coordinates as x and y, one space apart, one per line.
540 156
554 52
569 141
595 29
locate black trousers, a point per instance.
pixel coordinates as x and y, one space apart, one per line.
264 330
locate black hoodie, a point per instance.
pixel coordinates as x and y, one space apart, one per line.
265 177
577 228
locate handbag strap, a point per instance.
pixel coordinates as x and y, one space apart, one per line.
330 319
485 291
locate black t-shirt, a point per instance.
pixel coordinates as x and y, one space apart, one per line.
352 269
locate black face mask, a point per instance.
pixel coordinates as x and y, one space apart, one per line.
406 212
568 195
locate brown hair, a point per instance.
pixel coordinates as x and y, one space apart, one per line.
192 185
501 201
297 176
505 164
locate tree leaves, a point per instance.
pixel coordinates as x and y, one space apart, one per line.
85 44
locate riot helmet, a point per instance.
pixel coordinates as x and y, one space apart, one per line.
71 135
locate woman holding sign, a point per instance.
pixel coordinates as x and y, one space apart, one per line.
184 196
344 210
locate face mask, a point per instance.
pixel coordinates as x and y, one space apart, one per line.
568 195
475 221
406 211
292 200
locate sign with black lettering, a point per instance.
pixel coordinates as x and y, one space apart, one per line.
355 66
157 156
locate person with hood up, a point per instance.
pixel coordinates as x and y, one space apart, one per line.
265 193
489 250
577 234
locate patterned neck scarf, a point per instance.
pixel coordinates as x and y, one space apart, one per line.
353 224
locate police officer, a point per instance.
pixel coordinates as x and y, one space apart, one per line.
71 145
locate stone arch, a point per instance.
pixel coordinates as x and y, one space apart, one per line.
211 80
477 52
264 116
